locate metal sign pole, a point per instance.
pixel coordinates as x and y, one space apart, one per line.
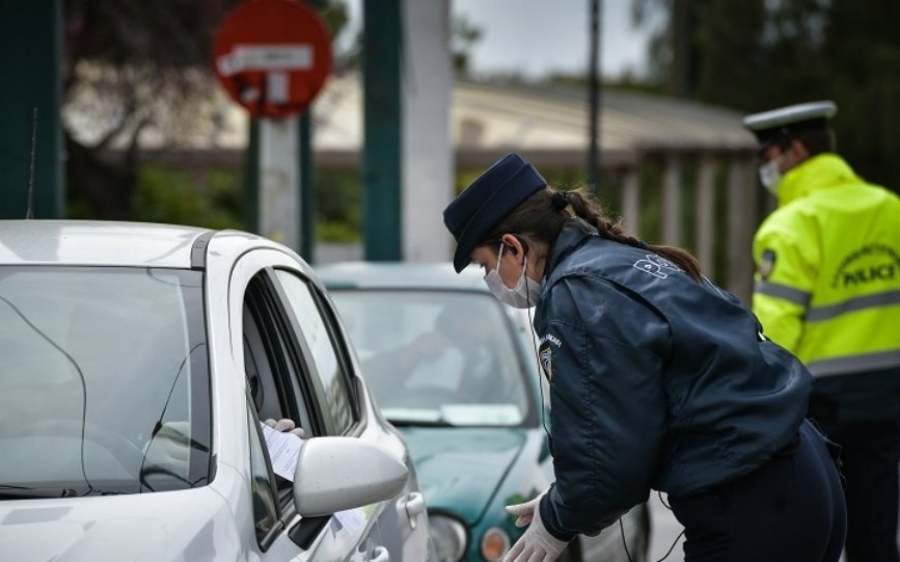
594 156
279 176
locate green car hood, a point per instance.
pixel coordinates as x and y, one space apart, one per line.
460 469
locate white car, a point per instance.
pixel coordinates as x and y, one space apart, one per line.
137 362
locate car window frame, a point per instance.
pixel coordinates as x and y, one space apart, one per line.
289 379
294 380
268 313
339 344
252 272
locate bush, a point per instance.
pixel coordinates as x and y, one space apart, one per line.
206 198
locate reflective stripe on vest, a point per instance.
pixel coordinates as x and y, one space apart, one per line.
855 364
819 313
780 291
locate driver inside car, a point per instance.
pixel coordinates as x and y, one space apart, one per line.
457 355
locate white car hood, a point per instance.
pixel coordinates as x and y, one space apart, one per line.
158 527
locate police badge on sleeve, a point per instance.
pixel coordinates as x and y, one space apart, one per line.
766 264
545 353
546 356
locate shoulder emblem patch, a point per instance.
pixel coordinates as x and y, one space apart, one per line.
656 266
546 356
766 264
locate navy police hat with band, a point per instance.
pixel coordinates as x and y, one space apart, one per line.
786 122
478 209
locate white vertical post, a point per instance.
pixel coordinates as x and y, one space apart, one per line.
279 172
631 201
705 218
671 200
741 226
427 148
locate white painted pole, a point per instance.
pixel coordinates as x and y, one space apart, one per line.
631 201
705 215
428 162
671 199
741 225
279 172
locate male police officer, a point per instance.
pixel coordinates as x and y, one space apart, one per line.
828 289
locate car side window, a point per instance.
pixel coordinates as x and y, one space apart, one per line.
270 364
276 389
320 335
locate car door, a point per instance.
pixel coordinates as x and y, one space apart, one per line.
401 521
281 373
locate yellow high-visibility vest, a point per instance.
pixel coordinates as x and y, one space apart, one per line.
828 270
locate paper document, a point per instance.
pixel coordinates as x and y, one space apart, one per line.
283 451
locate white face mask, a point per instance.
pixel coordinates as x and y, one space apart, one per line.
524 295
769 174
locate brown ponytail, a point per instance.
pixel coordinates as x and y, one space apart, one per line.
542 216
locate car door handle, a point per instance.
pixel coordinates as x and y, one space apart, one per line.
412 505
380 554
415 504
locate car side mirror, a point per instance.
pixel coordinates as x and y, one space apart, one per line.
338 473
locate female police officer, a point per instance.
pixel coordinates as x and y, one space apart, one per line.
658 380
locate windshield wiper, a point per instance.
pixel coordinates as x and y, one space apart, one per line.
8 492
419 423
11 492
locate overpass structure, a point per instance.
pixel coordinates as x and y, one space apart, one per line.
677 172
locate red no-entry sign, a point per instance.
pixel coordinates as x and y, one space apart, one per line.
272 56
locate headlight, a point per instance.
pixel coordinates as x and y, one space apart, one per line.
449 536
494 544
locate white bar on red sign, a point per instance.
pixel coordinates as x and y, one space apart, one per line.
266 58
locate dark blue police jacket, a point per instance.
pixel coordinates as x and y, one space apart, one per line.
656 381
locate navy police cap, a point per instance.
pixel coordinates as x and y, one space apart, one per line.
482 205
787 121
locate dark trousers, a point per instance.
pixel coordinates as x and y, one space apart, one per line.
790 509
871 454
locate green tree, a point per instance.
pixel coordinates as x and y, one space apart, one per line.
464 35
130 66
753 55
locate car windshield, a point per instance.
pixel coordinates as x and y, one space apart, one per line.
438 357
105 381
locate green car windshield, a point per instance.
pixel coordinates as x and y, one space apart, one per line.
105 381
439 357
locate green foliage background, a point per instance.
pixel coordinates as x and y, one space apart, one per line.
749 55
754 55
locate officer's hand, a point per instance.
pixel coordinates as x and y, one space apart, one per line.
285 425
537 544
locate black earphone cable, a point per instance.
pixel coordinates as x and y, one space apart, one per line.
678 538
624 542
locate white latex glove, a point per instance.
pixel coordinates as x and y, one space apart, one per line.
537 544
285 425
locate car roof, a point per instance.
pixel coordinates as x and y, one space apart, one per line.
110 243
400 275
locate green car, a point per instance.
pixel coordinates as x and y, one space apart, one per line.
456 371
